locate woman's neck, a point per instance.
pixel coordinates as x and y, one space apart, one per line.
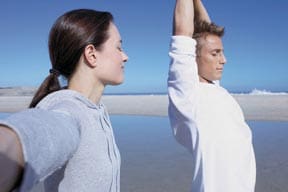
93 91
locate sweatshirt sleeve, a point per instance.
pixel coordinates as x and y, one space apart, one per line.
48 138
183 81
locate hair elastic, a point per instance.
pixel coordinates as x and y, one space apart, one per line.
54 71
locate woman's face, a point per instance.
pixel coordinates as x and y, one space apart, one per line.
111 59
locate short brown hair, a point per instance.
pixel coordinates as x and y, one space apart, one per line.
203 28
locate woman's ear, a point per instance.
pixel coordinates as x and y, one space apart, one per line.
90 55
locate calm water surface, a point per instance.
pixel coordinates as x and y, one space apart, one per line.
152 161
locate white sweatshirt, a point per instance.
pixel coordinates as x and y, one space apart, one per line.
207 120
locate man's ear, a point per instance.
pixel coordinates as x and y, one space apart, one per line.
90 55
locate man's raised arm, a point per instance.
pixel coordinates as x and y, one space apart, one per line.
201 13
183 18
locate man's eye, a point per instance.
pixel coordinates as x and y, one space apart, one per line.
216 54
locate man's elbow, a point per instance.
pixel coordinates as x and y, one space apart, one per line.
183 30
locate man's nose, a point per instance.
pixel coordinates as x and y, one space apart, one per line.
223 59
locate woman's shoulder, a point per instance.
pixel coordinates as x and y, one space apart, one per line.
65 101
56 98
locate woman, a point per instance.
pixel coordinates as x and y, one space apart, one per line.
66 139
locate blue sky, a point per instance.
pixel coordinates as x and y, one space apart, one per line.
255 42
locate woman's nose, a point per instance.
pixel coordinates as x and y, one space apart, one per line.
125 57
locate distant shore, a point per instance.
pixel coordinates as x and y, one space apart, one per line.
255 107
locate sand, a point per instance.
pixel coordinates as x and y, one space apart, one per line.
255 107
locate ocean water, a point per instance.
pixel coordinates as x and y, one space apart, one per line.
153 161
3 115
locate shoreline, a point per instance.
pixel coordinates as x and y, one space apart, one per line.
255 107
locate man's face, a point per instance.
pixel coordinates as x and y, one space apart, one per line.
210 58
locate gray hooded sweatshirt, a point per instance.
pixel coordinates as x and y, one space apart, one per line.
68 145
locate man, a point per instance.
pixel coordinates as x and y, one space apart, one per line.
204 117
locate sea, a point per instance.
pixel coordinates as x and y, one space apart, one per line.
153 161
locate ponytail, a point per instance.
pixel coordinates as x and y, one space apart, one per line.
49 85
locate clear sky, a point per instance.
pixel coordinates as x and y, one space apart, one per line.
255 41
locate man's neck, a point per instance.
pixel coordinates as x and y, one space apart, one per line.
204 80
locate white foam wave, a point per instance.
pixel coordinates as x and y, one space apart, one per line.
265 92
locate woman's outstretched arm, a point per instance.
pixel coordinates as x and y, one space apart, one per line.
11 159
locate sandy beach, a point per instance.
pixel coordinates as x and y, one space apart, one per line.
255 107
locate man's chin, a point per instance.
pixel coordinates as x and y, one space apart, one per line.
218 78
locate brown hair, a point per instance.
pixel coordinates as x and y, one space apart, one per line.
203 28
68 37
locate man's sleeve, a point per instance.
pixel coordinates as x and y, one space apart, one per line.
48 140
183 81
